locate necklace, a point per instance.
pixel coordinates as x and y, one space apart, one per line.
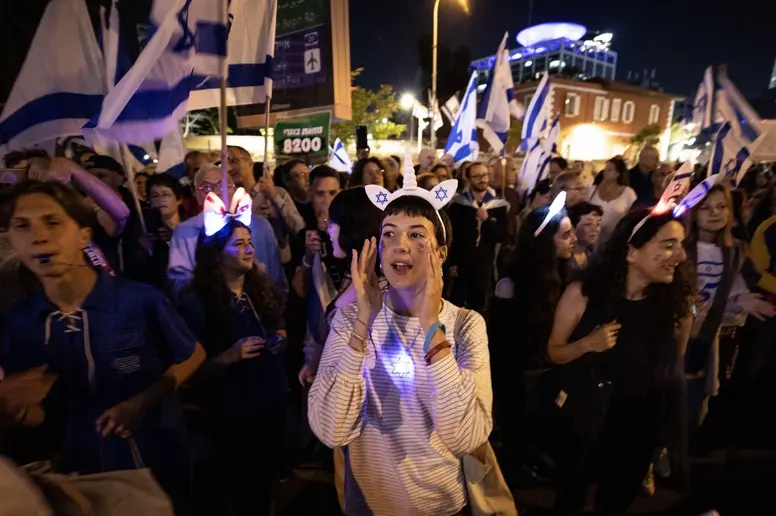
401 363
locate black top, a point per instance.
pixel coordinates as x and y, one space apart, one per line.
645 353
642 185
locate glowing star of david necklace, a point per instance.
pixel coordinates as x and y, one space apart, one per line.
402 363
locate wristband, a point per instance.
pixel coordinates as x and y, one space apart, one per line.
430 335
305 264
436 349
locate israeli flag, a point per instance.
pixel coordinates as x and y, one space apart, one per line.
531 169
172 153
703 107
185 55
498 101
551 141
740 129
61 83
537 114
462 143
339 160
451 108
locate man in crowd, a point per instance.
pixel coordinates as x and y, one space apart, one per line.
639 175
586 219
269 201
558 166
479 217
193 161
183 245
295 178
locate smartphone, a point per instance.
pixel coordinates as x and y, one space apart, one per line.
361 138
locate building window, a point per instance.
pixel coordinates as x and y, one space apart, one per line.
601 110
654 114
615 114
628 111
572 105
527 99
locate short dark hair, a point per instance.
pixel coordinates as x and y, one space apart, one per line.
165 180
357 177
561 162
241 149
419 207
105 163
65 195
543 187
357 217
320 172
191 154
581 209
438 166
283 172
14 157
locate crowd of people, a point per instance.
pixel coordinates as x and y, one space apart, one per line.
412 312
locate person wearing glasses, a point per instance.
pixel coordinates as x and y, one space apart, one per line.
367 171
183 244
479 217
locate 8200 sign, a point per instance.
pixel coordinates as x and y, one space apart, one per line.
306 134
302 145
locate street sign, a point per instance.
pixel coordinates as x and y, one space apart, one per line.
303 136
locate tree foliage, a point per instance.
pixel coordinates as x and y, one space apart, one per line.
370 108
648 135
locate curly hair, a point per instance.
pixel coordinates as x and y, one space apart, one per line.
604 279
357 177
209 284
539 278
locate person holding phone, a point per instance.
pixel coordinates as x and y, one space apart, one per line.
237 312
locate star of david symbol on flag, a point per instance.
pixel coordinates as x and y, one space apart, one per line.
441 194
459 136
187 39
381 198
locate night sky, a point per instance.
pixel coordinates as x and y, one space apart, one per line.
664 34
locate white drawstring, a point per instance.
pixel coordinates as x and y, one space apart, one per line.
71 326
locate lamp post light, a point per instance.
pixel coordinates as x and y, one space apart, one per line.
407 103
435 43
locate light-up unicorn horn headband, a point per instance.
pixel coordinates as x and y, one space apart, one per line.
557 205
673 193
216 216
440 195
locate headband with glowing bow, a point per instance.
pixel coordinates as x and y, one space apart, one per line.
440 195
672 194
216 216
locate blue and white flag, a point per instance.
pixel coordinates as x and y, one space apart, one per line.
537 114
61 82
462 143
339 160
740 129
531 168
551 141
498 103
703 107
185 54
451 108
172 153
250 53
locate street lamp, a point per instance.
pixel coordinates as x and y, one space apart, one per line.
433 107
407 101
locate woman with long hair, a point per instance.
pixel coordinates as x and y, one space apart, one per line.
625 322
237 312
118 347
404 380
524 301
367 171
613 195
722 300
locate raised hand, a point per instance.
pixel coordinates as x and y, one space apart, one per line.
369 296
432 291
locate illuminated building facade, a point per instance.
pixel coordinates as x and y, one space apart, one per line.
566 49
598 118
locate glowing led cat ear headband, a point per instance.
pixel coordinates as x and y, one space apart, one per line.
438 197
557 205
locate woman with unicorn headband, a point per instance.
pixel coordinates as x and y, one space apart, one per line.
236 312
623 327
404 380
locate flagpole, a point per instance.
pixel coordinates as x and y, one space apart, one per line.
222 113
434 76
132 186
266 137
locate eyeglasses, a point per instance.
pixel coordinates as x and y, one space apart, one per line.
206 187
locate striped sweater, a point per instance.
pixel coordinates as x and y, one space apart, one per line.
406 425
